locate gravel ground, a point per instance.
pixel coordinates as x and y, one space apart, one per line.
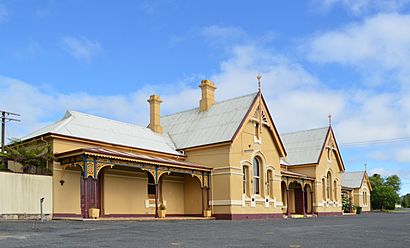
367 230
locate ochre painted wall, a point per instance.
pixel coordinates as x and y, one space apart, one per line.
216 157
21 193
192 195
172 192
359 195
334 202
245 147
227 175
125 193
67 196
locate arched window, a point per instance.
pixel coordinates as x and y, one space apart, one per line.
151 186
283 189
364 198
329 155
257 132
245 178
269 188
324 188
256 176
329 185
335 190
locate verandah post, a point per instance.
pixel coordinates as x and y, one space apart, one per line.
303 200
156 192
203 192
287 201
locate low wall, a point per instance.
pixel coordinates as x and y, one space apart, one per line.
20 195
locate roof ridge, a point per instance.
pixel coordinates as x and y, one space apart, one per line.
105 118
306 130
226 100
63 121
349 172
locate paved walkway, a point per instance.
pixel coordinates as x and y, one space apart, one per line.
367 230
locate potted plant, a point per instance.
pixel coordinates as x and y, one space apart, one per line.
162 211
208 213
94 213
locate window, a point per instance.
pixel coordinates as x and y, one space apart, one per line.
245 178
151 185
257 126
335 190
364 198
329 185
284 200
256 176
329 155
269 190
324 188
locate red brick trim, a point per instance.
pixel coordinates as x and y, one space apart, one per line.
329 213
127 215
184 215
247 216
66 215
147 215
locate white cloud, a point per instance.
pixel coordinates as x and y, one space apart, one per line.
4 15
358 7
403 173
297 98
378 47
403 154
39 106
81 48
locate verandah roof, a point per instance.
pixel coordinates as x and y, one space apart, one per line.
133 157
296 175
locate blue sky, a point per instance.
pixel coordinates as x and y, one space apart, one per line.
350 58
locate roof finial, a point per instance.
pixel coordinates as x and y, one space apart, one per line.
365 167
259 77
330 119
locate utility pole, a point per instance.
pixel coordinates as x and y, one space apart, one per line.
5 118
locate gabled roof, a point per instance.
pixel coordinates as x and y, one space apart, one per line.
86 126
219 124
352 179
304 147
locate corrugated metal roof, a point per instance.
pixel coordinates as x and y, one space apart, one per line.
304 147
133 156
193 128
352 179
86 126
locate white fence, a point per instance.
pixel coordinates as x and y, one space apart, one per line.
20 194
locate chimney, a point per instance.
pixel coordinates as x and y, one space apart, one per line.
208 95
155 115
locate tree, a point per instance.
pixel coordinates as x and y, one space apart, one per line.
385 191
32 156
3 161
405 201
393 181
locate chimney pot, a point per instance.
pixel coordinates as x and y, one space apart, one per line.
208 95
155 113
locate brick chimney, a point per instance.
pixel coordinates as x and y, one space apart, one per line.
208 95
155 115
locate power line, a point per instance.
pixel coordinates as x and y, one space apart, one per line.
5 117
376 142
